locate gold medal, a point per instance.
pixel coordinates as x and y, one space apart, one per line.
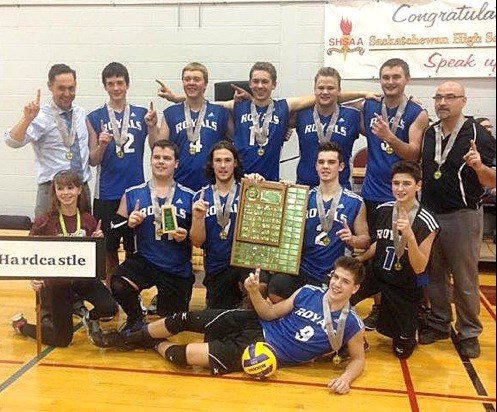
223 235
389 150
120 154
397 266
260 151
69 155
438 174
193 150
159 232
337 359
326 240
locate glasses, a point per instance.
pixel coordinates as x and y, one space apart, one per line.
448 98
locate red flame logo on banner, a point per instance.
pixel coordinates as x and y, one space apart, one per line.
346 41
346 26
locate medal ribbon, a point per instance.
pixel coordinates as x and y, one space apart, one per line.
155 204
119 138
322 137
193 131
335 336
441 157
63 224
398 114
326 219
261 134
223 215
68 136
399 241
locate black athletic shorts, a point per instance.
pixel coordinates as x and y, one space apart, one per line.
225 289
228 333
398 309
173 292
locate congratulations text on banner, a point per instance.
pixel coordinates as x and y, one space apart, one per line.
440 38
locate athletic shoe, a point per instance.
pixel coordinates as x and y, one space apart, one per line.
142 305
152 308
79 310
469 348
131 326
94 330
403 347
110 340
120 340
18 322
371 320
428 335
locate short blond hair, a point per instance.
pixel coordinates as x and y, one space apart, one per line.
195 66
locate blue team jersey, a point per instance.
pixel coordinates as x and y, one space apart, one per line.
267 165
115 174
317 258
377 186
190 171
171 256
301 335
345 134
216 251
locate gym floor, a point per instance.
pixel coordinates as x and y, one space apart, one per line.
83 377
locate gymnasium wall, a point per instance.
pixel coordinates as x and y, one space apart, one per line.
155 40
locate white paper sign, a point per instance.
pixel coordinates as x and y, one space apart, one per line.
42 258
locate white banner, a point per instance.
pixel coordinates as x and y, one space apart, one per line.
37 257
442 38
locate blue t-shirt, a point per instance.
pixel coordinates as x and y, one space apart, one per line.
267 165
345 133
317 257
171 256
301 335
115 174
377 186
190 171
216 251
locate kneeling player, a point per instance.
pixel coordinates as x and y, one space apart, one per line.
403 238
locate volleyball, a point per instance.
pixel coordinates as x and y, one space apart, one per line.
259 360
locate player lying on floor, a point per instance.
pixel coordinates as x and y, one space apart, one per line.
310 323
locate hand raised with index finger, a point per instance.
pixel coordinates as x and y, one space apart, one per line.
251 283
98 230
200 207
164 91
240 94
472 158
403 224
345 234
380 127
104 137
32 109
151 116
136 217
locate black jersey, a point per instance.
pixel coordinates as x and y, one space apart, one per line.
384 261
